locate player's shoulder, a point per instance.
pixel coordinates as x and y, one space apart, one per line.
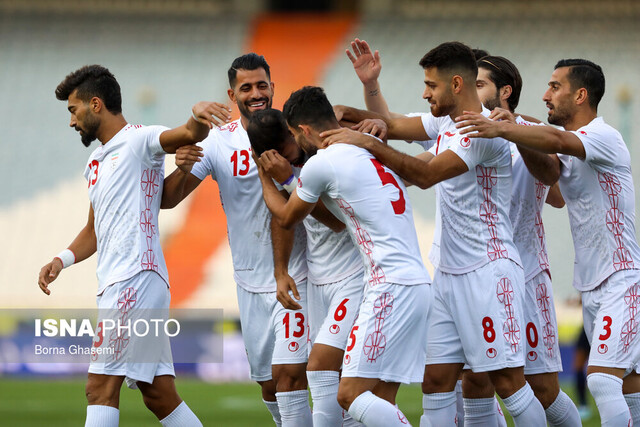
599 128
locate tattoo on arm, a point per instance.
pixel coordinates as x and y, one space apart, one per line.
374 92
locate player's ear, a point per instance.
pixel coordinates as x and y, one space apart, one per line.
581 96
232 95
505 92
456 84
95 104
306 129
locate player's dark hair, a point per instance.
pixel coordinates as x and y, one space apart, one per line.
453 58
585 74
503 72
90 81
267 130
309 106
479 53
250 61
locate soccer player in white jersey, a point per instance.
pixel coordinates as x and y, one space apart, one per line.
479 286
275 338
596 183
336 272
479 394
125 185
499 85
372 203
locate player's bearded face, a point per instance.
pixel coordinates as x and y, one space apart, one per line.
559 98
88 128
438 93
487 91
253 91
302 141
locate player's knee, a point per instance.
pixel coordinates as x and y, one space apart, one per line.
545 387
161 404
290 377
268 390
346 395
437 380
477 385
507 381
102 393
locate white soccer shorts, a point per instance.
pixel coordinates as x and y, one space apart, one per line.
477 318
610 314
137 357
388 338
272 334
333 308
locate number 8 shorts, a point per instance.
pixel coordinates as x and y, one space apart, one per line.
477 318
388 338
611 316
272 334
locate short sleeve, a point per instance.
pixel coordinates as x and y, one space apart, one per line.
314 179
475 151
599 145
205 166
431 125
147 143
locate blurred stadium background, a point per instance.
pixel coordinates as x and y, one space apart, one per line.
169 54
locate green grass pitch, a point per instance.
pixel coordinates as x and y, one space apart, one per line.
38 402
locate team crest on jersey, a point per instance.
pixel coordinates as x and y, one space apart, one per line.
465 142
114 160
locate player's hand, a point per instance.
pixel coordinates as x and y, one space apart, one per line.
187 156
286 284
475 125
48 274
502 114
275 165
366 64
375 127
212 113
346 136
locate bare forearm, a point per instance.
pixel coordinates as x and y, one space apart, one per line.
545 139
282 243
173 190
85 244
274 201
374 100
544 167
409 168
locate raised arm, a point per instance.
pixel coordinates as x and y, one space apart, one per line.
398 126
546 139
423 170
204 116
82 247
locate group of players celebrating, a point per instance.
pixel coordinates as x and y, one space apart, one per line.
332 289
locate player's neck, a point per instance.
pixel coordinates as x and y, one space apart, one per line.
581 118
110 127
469 103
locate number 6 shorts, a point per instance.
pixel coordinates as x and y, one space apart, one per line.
333 308
138 353
272 334
477 318
611 316
388 338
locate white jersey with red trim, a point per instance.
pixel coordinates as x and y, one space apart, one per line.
331 256
373 203
527 201
125 178
474 206
600 198
227 158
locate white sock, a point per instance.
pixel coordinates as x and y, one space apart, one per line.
525 409
459 404
275 411
633 402
181 416
348 421
502 422
563 412
373 411
480 412
607 392
102 416
324 393
439 409
294 408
